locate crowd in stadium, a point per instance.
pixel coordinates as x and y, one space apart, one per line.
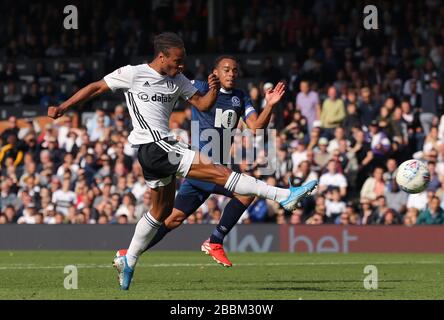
358 103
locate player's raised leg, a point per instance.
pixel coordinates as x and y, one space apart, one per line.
242 184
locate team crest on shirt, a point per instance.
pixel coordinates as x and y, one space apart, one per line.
235 101
170 84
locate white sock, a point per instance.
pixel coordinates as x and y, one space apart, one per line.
249 186
145 231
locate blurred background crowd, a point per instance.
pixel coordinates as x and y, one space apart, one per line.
358 103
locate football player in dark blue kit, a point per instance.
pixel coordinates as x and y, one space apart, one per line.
231 104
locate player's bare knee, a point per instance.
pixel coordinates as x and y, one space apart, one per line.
175 219
245 200
222 173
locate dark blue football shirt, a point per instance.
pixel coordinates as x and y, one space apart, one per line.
221 120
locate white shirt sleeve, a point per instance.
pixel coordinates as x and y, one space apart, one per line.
342 181
121 78
322 181
187 90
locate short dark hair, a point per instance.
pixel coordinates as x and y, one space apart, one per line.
165 41
222 57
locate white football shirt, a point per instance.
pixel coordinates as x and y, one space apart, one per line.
150 97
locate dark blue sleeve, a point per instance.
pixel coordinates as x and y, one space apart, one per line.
247 105
201 86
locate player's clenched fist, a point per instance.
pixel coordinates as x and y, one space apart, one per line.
54 112
213 81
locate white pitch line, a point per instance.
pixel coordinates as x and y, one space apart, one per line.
175 265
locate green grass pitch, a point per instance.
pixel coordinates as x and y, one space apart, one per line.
193 275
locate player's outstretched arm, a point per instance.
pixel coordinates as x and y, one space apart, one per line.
273 96
86 93
206 102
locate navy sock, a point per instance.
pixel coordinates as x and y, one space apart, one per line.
161 233
232 212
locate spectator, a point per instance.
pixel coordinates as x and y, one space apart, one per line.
294 78
378 214
429 105
432 142
41 75
333 178
339 135
396 198
321 155
33 97
145 206
316 219
248 42
334 205
351 120
50 97
411 217
255 97
64 198
12 96
304 173
9 73
83 75
380 143
435 182
7 197
10 214
122 218
374 186
270 73
127 208
11 129
11 150
413 81
92 123
366 107
307 101
103 219
333 112
283 164
298 155
434 214
391 217
27 214
62 72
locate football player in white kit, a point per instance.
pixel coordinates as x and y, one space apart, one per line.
151 91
